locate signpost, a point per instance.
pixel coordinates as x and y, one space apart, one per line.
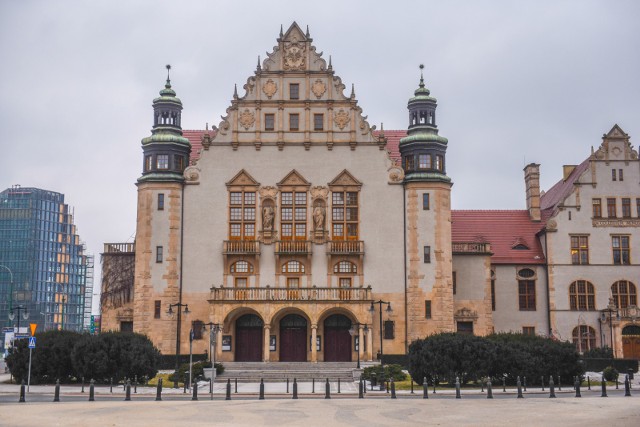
32 345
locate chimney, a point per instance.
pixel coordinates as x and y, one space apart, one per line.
532 183
566 171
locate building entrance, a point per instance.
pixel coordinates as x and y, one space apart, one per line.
293 338
631 342
249 338
337 340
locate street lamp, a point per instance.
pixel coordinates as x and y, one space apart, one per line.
611 308
179 305
388 310
355 329
19 309
214 328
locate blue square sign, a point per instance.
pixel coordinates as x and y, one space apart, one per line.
32 342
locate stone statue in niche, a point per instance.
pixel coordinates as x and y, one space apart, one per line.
318 217
267 218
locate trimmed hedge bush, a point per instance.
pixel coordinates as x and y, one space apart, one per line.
385 373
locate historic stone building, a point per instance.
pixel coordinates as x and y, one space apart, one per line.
307 235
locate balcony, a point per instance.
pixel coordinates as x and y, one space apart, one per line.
119 248
470 248
346 247
283 294
241 247
293 247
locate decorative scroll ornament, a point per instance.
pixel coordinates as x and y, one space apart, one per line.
341 118
268 192
294 55
319 192
270 88
247 119
318 88
396 175
192 174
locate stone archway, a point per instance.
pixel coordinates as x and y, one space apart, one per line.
249 343
631 342
293 338
337 339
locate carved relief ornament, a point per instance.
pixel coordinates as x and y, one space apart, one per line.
396 174
341 118
192 175
268 192
319 192
318 88
294 55
246 119
270 88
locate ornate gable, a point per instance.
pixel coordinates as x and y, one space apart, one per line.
242 179
294 179
616 145
345 179
294 98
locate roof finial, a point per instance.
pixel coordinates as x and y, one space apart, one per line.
421 76
206 126
353 90
168 85
235 91
307 35
258 68
330 66
281 33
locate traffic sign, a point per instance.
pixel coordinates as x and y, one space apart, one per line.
32 342
33 327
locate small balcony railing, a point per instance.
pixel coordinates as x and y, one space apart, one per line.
288 294
293 247
470 248
346 247
241 247
119 248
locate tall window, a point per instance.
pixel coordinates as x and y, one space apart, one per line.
493 290
269 122
626 207
161 201
197 326
162 161
621 251
156 309
427 254
294 121
613 174
409 163
294 91
584 338
159 253
597 208
293 215
242 215
620 175
318 121
526 290
582 296
389 329
638 207
427 309
439 162
424 161
580 249
345 215
293 286
147 163
425 201
179 163
624 293
611 207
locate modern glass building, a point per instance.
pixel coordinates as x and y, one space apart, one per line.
44 269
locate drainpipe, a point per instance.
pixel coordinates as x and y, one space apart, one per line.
406 313
546 254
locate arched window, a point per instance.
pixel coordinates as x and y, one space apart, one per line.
241 267
584 337
293 267
345 267
582 296
624 293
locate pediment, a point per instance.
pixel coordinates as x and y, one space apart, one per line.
242 179
345 179
294 179
616 132
294 34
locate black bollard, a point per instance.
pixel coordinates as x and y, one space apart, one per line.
236 386
504 384
360 387
228 396
338 385
393 389
458 396
519 385
542 382
327 390
617 382
261 389
627 386
111 385
411 385
82 390
295 389
313 385
287 385
184 384
364 384
552 391
91 391
387 387
56 395
159 390
588 383
434 386
425 388
559 384
489 391
604 387
128 395
525 383
577 386
481 386
195 391
22 392
124 384
135 384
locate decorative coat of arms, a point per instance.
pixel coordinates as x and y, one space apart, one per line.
294 56
341 118
246 119
318 88
270 88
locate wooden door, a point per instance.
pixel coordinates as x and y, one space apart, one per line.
248 344
337 345
631 347
293 344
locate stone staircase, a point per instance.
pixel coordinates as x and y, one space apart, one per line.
280 371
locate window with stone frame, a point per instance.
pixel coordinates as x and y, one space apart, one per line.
241 267
197 326
425 201
269 121
624 293
242 215
159 254
626 207
160 201
580 249
611 207
345 267
294 91
621 250
638 207
162 161
528 330
597 207
582 296
293 215
389 329
344 215
318 121
526 290
584 338
294 121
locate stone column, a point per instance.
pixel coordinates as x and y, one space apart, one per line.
267 332
218 346
369 345
362 351
314 348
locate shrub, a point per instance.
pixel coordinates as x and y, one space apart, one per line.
197 371
598 353
610 373
386 372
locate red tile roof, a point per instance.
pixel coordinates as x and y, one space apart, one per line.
393 142
195 138
562 188
503 230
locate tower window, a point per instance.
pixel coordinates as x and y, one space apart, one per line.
294 91
179 160
269 122
424 161
425 201
294 121
409 163
159 254
427 309
439 163
427 254
162 161
148 162
156 309
318 121
161 201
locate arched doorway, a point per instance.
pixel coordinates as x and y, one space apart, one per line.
337 340
293 338
631 342
249 338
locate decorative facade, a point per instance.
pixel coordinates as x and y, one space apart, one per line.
294 223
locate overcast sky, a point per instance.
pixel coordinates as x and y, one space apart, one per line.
516 81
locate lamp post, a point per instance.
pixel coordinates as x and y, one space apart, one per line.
355 331
388 310
179 305
611 308
19 309
214 328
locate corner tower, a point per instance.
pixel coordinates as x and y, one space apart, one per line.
159 225
429 283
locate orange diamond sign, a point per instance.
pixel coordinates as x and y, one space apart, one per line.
33 327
